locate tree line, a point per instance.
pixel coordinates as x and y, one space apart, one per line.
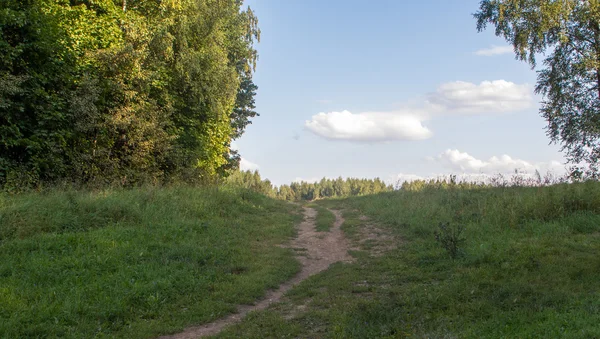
499 180
306 191
126 92
102 92
349 187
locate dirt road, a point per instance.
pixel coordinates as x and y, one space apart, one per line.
321 249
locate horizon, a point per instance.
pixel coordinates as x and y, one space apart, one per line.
341 94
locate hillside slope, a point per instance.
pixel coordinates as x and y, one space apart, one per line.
528 267
136 263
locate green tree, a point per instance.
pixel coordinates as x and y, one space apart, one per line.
35 77
109 91
568 31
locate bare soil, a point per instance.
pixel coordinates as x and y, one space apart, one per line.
321 250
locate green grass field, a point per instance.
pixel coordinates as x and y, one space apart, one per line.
136 263
324 219
529 268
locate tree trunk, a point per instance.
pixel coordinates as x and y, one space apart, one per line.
124 5
598 80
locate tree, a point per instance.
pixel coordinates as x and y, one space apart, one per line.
569 32
35 75
116 91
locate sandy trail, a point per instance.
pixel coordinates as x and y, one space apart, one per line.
322 250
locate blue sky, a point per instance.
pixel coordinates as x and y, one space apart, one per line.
389 89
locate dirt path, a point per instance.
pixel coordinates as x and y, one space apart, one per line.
322 250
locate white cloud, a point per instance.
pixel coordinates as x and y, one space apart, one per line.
246 165
464 162
368 126
494 50
457 97
489 96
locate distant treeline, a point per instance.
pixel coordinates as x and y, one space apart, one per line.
340 188
305 191
515 180
123 92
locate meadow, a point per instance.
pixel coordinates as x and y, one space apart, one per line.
528 267
324 219
143 262
136 263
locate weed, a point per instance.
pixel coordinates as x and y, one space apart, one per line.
324 219
450 237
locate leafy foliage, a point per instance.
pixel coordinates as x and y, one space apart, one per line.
569 32
106 91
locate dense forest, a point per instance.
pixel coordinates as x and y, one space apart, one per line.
105 92
306 191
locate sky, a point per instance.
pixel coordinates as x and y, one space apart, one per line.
389 89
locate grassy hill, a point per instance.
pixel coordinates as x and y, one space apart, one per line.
529 266
136 263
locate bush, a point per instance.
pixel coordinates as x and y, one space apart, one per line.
450 238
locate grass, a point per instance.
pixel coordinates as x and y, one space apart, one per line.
529 268
139 263
324 220
136 263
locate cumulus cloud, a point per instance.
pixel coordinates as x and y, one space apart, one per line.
463 167
457 97
246 165
489 96
464 162
494 50
368 127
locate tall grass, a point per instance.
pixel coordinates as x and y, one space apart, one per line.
528 268
136 263
324 219
495 208
528 265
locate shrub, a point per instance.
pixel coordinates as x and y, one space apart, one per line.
450 237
